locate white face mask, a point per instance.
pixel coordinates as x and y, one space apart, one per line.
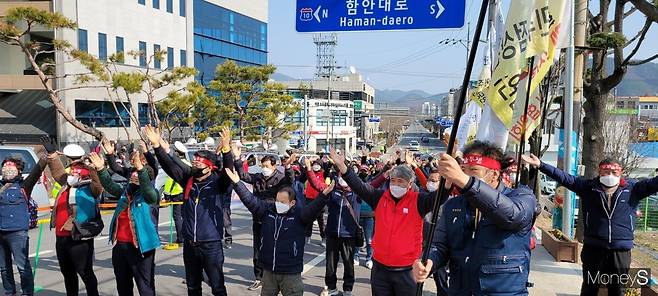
72 180
432 186
512 177
397 191
9 173
342 182
316 168
267 172
609 180
281 208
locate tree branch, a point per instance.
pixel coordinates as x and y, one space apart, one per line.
637 63
645 29
623 17
647 8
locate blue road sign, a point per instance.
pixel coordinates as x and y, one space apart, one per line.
376 15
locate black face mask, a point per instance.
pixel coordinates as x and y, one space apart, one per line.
197 172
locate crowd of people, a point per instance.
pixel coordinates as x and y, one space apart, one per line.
481 245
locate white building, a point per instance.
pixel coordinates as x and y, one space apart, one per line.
425 110
194 33
346 90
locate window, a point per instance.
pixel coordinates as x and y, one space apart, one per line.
143 114
156 4
119 44
156 62
102 46
82 40
620 105
170 58
143 53
101 114
181 8
142 2
183 57
170 6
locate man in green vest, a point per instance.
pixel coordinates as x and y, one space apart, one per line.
173 192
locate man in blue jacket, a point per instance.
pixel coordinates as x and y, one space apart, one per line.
483 234
282 250
608 205
203 219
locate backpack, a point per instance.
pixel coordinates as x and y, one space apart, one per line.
32 209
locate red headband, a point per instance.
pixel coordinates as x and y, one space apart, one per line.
610 166
10 163
205 161
475 159
80 171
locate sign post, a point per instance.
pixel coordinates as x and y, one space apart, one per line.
354 15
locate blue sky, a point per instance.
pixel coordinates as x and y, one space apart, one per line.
403 60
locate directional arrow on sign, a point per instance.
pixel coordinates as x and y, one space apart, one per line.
440 9
316 14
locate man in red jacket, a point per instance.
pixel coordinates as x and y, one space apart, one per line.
399 212
311 194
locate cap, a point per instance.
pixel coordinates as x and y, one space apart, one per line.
73 151
180 147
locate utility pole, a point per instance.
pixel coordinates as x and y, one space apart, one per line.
305 119
328 110
580 33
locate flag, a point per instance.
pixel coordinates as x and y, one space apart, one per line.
468 125
557 37
491 128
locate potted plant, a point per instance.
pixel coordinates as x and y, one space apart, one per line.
560 247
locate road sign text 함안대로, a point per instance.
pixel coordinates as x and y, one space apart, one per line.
376 15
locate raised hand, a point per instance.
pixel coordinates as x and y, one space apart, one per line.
225 136
450 169
136 161
48 145
329 188
531 160
237 151
97 161
233 175
142 145
153 135
409 159
307 163
108 146
338 160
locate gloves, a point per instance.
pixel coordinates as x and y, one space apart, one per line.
48 144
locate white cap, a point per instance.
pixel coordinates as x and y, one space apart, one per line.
180 147
191 141
209 141
73 151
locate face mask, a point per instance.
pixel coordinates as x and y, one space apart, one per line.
609 180
9 173
72 180
316 168
197 172
281 208
267 172
432 186
397 191
342 182
512 177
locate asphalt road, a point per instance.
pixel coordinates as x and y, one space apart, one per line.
170 271
414 132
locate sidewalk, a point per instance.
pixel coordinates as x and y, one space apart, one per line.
553 278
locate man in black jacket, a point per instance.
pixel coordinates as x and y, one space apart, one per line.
203 221
282 252
608 205
266 184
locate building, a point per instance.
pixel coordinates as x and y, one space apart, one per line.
350 89
195 33
425 109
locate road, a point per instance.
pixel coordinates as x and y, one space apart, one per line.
414 133
169 269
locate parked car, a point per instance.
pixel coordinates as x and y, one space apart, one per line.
547 184
414 146
40 193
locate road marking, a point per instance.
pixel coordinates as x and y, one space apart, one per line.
101 238
164 223
42 253
308 266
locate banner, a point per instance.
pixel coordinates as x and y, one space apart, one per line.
560 14
468 125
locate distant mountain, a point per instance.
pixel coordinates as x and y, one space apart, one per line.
413 99
281 77
639 80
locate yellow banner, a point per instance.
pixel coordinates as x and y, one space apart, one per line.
528 32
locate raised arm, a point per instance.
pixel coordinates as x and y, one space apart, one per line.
573 183
318 185
57 168
311 211
645 188
256 206
365 191
180 174
110 186
244 175
33 177
149 192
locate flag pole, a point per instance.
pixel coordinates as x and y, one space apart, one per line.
524 126
442 193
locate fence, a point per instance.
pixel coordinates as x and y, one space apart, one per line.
648 219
